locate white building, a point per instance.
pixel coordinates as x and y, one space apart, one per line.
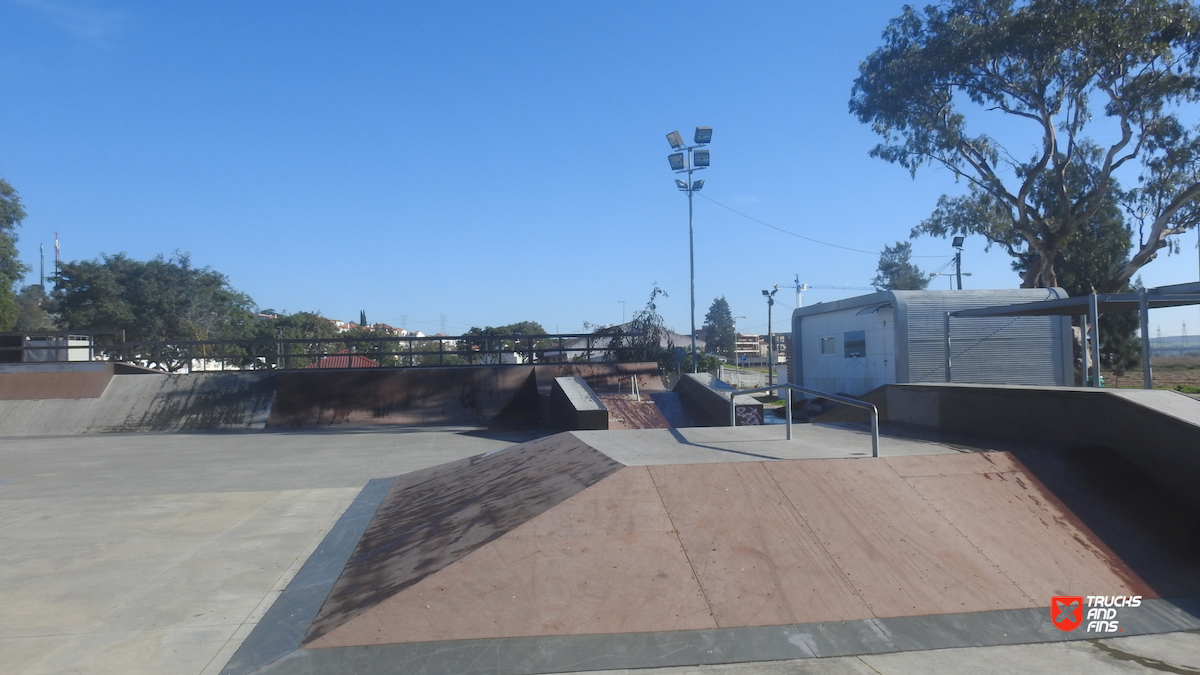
858 344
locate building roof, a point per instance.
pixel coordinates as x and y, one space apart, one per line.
344 359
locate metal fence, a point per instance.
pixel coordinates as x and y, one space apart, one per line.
281 353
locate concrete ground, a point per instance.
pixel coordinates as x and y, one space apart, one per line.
159 553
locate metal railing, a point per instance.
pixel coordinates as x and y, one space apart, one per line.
833 397
633 387
280 353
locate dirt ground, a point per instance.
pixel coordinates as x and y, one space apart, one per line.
1169 373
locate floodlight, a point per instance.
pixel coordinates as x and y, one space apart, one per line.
700 158
682 185
675 139
703 135
958 242
676 160
698 184
766 292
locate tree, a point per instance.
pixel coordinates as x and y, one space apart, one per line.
494 339
1087 263
720 336
896 271
642 339
1054 67
160 300
34 309
11 269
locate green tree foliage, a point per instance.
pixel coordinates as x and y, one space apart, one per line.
491 340
720 336
1087 263
274 337
643 338
1054 67
34 309
896 271
159 300
11 269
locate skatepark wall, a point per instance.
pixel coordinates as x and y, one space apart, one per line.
1156 429
83 398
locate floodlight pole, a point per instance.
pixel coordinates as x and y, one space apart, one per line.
689 187
770 337
692 264
958 244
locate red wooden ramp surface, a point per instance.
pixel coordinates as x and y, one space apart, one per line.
679 547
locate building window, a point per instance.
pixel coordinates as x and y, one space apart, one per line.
828 345
855 344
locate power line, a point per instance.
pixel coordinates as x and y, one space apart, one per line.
800 236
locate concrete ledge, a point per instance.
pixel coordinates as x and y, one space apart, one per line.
707 399
575 407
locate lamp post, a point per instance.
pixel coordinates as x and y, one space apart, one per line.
736 369
770 340
947 274
958 244
695 159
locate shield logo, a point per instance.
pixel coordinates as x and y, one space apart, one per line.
1066 611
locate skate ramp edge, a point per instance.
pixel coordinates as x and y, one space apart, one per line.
1157 430
707 400
573 406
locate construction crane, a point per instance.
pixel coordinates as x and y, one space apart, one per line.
800 288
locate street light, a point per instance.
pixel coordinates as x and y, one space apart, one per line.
736 369
770 342
947 274
958 244
695 159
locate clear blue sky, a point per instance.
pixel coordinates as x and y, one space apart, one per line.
483 162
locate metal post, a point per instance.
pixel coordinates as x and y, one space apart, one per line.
789 413
1144 306
692 262
732 409
1094 311
958 267
770 344
874 431
946 344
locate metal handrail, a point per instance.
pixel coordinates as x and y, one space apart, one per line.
815 392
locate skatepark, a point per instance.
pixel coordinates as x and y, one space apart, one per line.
448 521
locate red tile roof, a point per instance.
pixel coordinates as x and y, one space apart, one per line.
344 359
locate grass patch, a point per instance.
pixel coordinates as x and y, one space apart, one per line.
1186 389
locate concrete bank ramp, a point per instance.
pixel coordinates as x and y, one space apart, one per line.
555 559
1157 430
130 403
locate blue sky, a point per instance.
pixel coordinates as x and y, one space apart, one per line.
458 164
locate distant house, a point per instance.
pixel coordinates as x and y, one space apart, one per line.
344 359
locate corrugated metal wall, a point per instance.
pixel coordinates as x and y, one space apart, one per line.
1000 350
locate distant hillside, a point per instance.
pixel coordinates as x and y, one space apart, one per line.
1176 344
